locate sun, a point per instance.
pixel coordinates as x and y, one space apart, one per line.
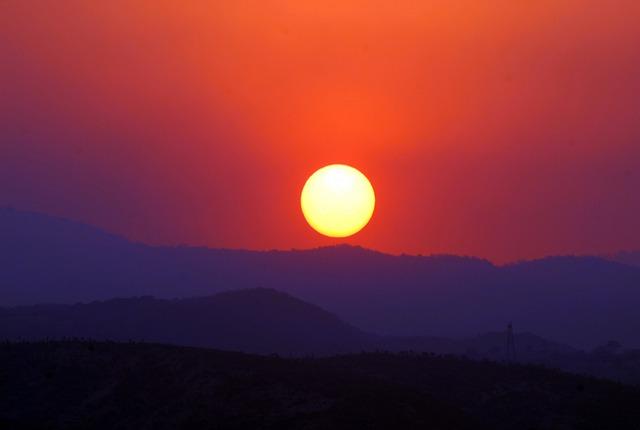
337 200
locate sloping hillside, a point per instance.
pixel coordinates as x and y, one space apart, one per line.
257 320
579 301
77 385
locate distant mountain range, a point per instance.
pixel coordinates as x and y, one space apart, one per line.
578 301
631 258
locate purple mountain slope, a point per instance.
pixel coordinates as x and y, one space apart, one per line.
580 301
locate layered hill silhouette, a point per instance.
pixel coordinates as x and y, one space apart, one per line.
265 321
258 321
79 385
631 258
262 321
580 301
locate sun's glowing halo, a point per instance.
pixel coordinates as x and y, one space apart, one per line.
337 200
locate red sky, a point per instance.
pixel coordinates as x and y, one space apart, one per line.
501 129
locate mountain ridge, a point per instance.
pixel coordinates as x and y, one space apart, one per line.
580 301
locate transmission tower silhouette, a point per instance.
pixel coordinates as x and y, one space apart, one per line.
510 348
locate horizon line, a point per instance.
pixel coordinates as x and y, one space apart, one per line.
604 256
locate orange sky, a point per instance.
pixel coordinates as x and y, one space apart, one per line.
502 129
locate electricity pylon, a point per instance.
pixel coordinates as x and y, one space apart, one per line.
510 345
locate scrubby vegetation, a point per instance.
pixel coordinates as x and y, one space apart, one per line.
84 384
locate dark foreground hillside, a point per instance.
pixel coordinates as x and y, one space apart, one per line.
147 386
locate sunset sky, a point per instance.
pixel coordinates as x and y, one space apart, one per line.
503 129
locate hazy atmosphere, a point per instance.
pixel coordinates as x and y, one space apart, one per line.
309 215
501 130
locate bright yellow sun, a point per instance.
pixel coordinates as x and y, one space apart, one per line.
337 200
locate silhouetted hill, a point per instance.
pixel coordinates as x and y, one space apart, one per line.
631 258
258 321
580 301
269 322
78 385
